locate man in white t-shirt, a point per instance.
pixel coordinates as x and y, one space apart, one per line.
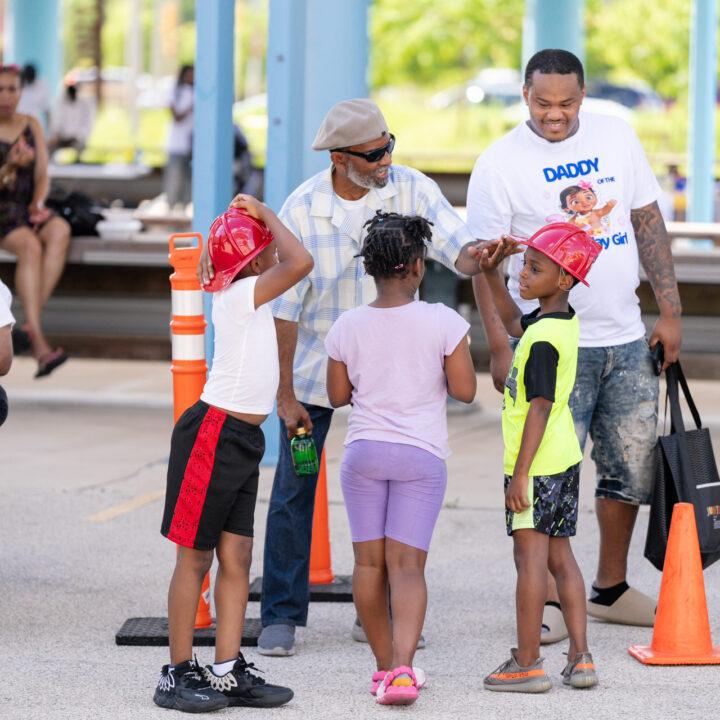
589 170
71 121
35 97
178 172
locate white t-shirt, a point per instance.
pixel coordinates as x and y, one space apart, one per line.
523 182
72 118
181 131
245 373
395 359
355 214
34 99
6 317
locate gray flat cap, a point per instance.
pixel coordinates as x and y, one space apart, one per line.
350 122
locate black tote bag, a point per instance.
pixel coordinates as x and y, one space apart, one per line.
685 471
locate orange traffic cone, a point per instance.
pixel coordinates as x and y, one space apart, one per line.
320 563
682 627
203 618
188 354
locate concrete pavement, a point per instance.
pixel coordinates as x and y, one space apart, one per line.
83 456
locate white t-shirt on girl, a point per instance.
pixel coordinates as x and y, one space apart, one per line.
245 373
395 359
523 182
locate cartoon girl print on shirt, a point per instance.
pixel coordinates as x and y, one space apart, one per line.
578 205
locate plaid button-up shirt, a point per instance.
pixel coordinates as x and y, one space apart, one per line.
338 281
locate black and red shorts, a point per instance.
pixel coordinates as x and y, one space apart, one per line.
212 479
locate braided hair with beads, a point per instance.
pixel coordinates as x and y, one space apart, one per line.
393 243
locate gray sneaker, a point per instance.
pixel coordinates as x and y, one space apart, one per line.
277 640
358 634
511 677
580 673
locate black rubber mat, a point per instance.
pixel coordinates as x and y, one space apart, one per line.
340 590
154 631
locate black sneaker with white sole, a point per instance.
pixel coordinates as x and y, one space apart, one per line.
185 688
242 687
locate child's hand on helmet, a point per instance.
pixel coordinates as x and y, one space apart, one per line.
251 205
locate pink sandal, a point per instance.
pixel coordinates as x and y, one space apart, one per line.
396 690
379 675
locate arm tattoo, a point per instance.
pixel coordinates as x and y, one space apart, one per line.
656 257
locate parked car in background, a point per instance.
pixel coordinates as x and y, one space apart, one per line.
491 86
636 96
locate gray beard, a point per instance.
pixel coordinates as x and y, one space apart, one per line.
365 181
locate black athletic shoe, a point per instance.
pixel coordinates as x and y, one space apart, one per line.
241 687
185 688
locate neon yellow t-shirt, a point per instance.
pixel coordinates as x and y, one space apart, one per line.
559 448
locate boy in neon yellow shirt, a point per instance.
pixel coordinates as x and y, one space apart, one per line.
542 452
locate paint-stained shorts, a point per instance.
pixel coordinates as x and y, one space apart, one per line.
212 479
553 504
615 399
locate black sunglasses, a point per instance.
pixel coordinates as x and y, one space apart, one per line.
374 155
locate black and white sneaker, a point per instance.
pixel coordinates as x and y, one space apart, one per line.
242 687
185 688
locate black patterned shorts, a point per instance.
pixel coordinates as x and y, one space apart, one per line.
212 478
553 504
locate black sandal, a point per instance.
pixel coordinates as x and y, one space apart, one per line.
47 363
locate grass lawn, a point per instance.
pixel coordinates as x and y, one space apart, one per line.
429 139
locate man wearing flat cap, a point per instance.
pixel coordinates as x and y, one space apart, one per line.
327 212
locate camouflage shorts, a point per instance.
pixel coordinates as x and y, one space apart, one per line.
553 504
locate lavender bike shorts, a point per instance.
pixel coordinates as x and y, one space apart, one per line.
392 490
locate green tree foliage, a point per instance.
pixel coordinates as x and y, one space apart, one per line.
78 21
433 43
642 39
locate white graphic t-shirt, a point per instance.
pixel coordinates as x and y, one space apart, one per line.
592 179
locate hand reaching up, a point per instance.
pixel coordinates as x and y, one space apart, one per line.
492 252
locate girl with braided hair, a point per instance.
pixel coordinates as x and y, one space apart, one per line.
395 360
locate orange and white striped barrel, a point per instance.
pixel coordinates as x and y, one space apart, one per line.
187 325
188 354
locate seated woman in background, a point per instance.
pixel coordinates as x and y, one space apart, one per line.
28 229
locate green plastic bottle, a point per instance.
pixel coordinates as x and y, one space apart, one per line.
304 454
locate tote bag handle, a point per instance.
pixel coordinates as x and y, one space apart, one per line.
674 376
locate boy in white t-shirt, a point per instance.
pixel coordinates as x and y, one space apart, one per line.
6 325
216 449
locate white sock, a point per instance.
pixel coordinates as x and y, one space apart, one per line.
223 668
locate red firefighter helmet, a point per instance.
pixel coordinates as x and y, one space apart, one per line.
567 245
235 238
